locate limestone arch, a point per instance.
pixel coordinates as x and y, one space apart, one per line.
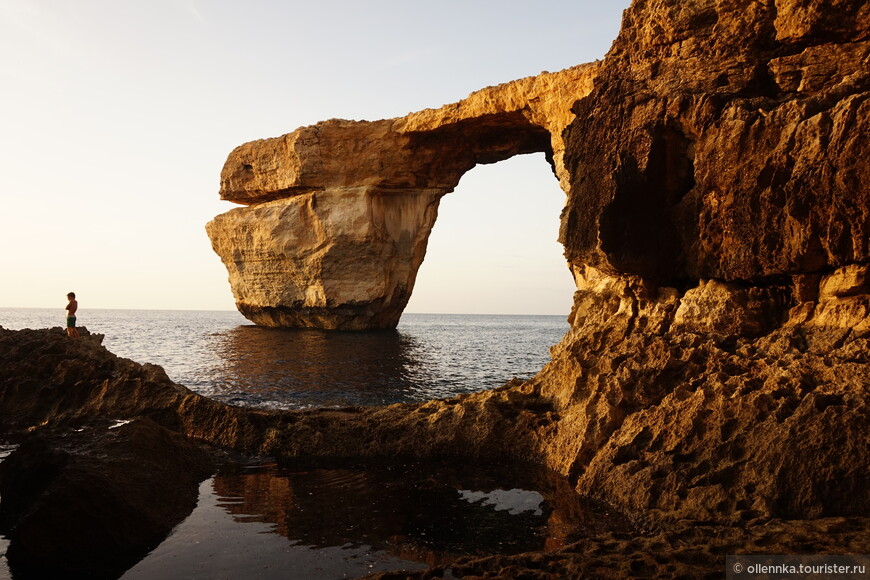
338 214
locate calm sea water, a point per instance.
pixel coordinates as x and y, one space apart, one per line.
222 355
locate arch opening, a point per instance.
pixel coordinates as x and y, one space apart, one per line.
494 248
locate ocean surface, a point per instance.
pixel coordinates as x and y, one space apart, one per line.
222 355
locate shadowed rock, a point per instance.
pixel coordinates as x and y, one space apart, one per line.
92 502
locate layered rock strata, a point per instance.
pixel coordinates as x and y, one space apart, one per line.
339 213
724 141
718 229
706 149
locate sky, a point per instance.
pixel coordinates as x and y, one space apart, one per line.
116 117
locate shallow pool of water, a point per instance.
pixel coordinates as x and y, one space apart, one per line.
264 520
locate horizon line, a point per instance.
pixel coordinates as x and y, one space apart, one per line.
240 314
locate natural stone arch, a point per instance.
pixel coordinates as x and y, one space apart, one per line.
339 213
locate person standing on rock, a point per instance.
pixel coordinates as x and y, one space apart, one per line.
71 308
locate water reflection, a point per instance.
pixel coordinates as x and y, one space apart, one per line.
5 450
428 357
339 520
301 368
219 354
429 513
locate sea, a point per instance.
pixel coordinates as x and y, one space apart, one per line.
222 355
260 519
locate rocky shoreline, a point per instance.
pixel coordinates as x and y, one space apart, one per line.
725 445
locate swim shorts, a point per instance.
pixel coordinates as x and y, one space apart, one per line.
70 321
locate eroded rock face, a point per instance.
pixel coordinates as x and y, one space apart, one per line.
724 140
717 405
718 229
716 141
340 213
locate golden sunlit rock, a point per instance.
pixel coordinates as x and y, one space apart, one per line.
340 212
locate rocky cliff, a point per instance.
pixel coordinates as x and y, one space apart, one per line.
715 141
718 228
339 213
718 224
726 141
714 383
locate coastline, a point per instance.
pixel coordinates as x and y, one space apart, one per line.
61 385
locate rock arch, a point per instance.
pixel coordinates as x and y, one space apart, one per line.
338 214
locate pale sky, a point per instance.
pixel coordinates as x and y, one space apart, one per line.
116 117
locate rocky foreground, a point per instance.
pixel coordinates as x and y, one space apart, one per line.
710 443
714 386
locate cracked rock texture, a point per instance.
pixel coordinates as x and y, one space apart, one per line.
716 140
724 140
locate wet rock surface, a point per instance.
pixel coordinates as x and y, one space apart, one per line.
687 550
